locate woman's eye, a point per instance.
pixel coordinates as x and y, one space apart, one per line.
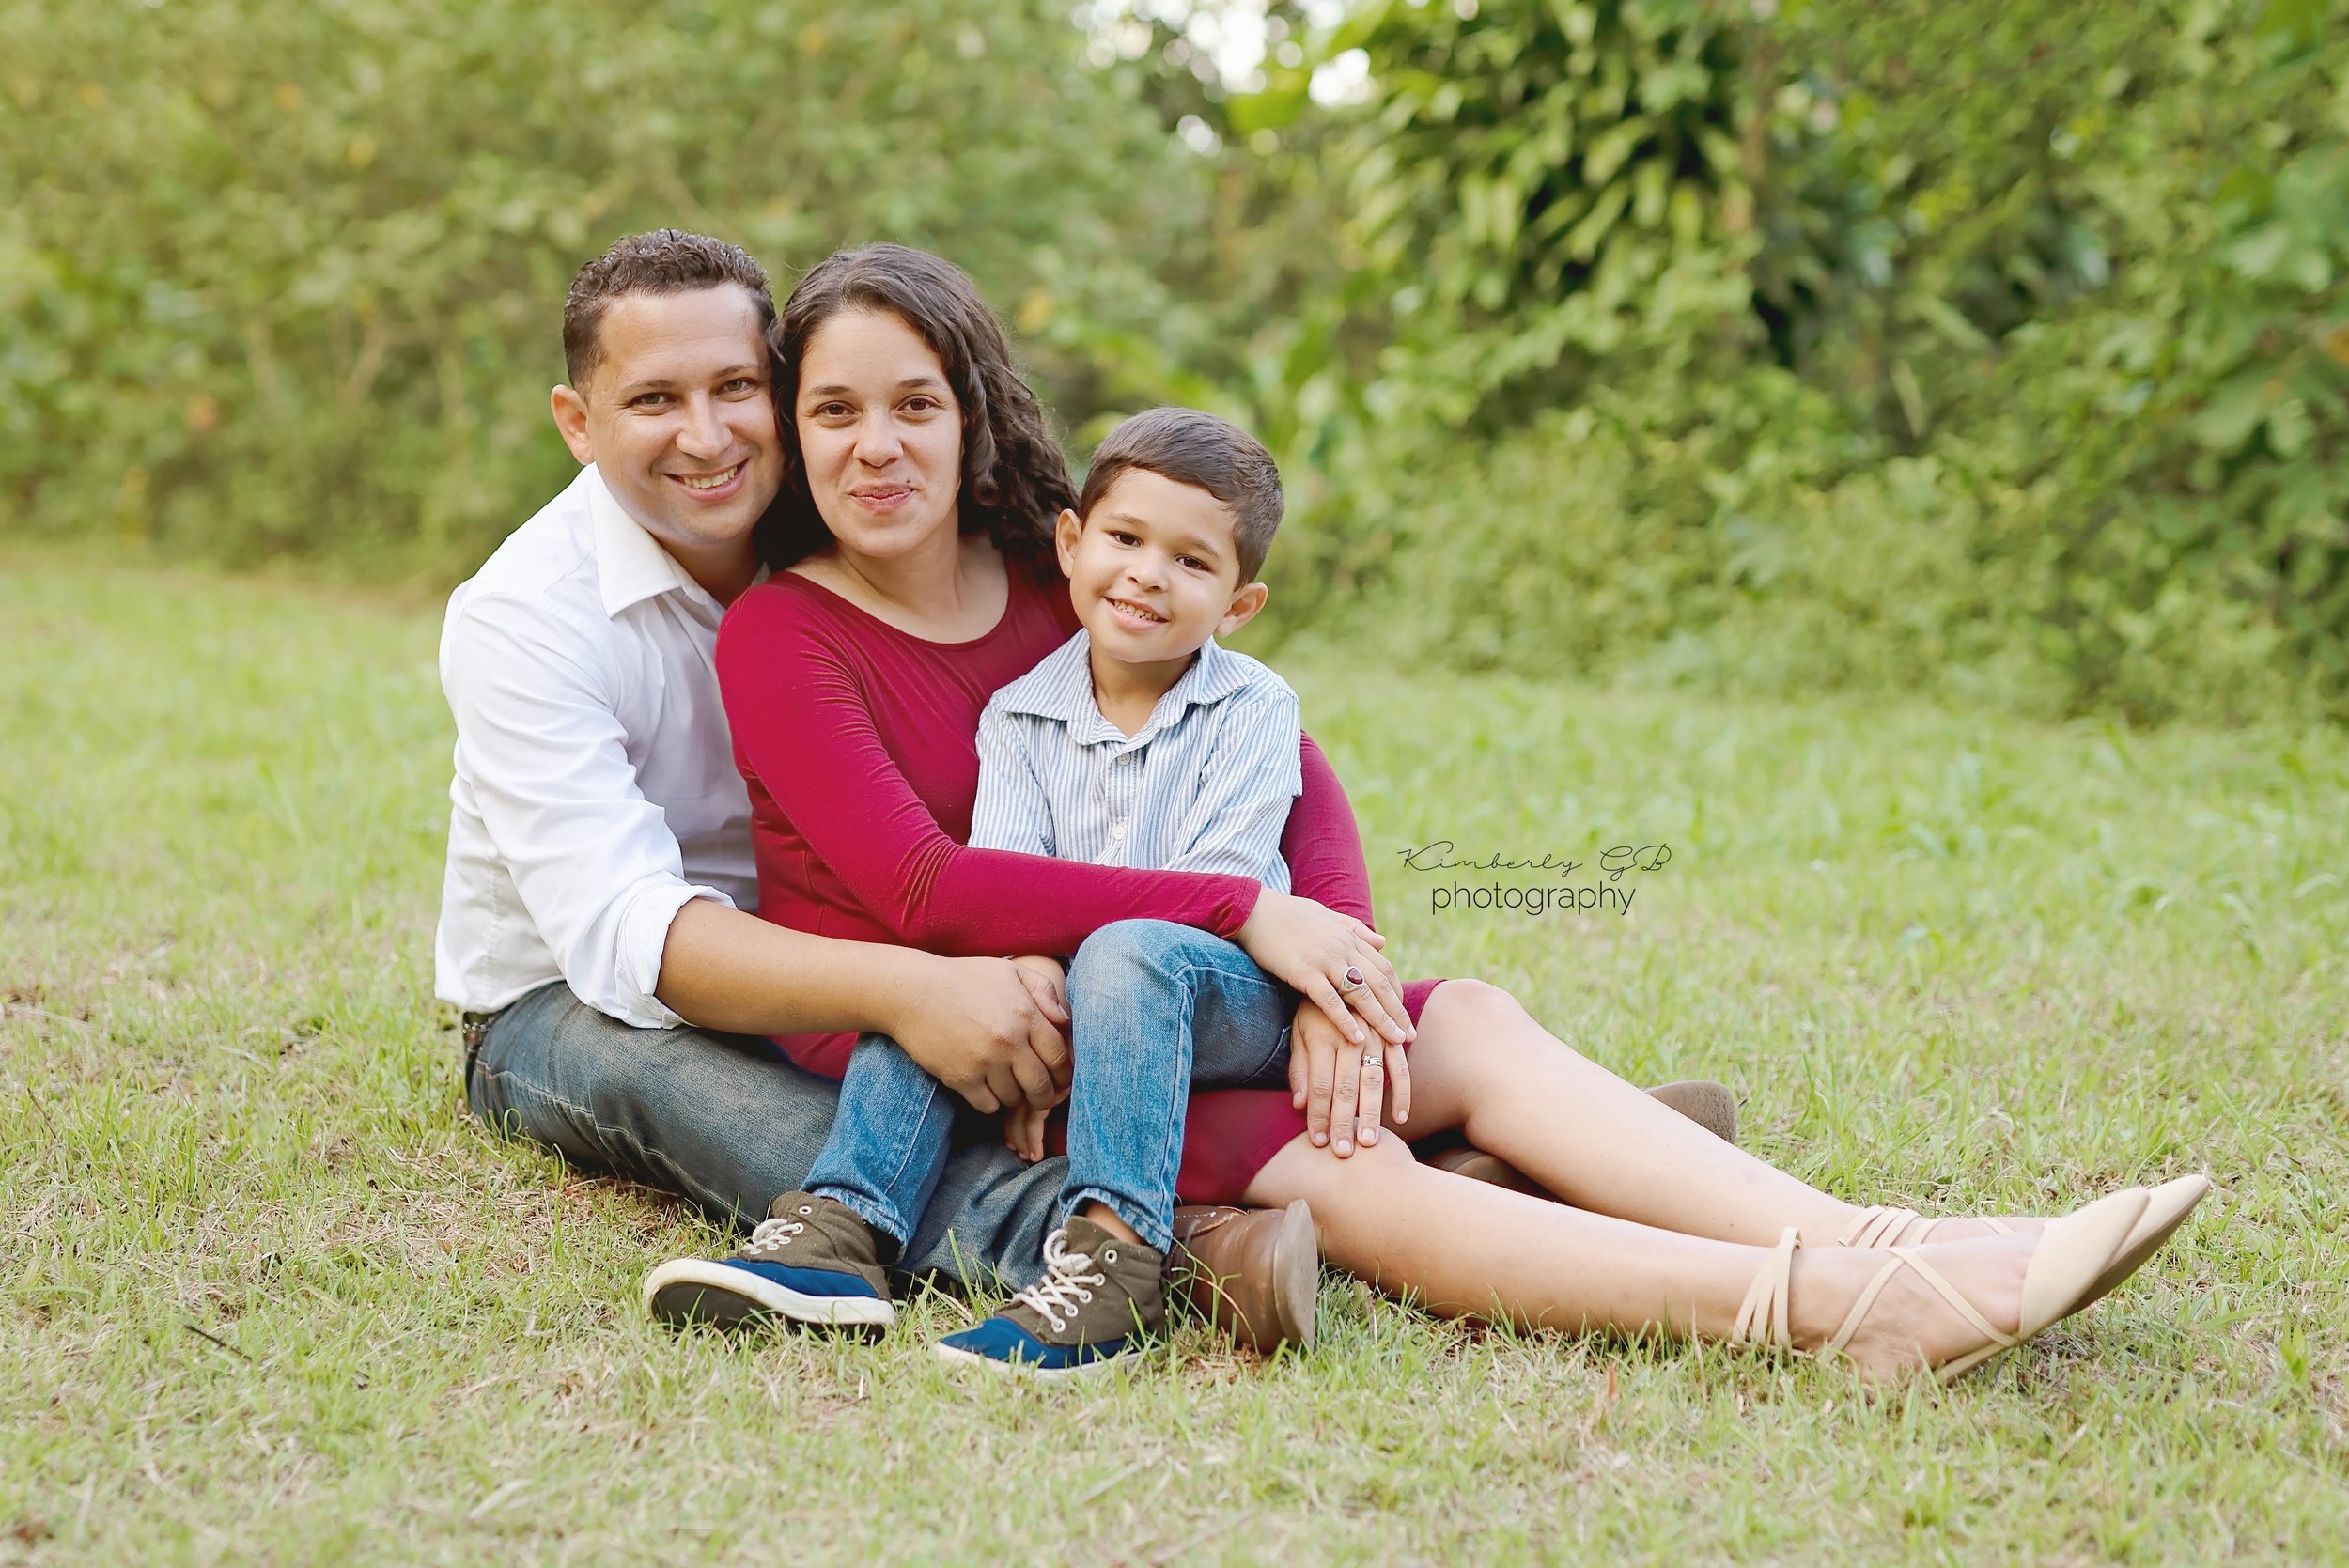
739 384
923 404
829 411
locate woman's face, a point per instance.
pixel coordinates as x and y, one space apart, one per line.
880 434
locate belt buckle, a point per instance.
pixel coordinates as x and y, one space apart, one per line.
476 1029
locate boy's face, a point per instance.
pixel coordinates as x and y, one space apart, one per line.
679 416
1153 572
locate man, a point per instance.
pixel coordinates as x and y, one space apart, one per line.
596 928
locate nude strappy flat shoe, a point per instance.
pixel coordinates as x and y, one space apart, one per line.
2073 1254
1881 1226
2166 1208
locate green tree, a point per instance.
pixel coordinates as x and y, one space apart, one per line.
286 279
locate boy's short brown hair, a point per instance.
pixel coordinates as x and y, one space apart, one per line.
663 261
1194 448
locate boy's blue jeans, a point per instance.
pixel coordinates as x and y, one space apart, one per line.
1156 1009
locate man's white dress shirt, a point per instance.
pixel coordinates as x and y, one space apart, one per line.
1206 785
596 793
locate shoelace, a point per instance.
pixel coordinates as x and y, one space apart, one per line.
1065 1282
768 1235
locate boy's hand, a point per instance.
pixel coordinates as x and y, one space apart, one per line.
1024 1132
1342 1094
1047 984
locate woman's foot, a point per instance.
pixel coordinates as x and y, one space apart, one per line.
1947 1307
1909 1327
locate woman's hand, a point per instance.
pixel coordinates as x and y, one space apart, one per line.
1340 1086
988 1029
1332 960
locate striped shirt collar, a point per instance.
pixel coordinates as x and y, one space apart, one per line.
1061 687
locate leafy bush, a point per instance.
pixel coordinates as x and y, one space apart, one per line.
286 279
2034 383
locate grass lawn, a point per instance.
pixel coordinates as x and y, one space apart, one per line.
270 1295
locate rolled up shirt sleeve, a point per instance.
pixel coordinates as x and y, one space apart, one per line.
540 745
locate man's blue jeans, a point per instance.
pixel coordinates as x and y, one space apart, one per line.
725 1121
1155 1009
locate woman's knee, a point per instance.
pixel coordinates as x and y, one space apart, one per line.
1477 1004
1337 1188
1478 1014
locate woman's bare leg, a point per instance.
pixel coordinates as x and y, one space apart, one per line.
1483 1065
1464 1248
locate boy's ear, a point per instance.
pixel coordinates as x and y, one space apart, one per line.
1244 607
1065 532
570 417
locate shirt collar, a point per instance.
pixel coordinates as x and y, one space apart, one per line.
630 566
1061 687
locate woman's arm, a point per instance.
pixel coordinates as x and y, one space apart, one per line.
803 729
804 732
1322 843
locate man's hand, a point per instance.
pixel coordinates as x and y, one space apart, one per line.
988 1029
1342 1094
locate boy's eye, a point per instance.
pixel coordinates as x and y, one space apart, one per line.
1123 538
1192 562
740 383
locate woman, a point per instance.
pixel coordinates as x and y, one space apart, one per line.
912 576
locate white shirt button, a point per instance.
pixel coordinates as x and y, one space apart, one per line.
1117 830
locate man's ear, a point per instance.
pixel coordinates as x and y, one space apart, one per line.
1245 604
570 417
1065 532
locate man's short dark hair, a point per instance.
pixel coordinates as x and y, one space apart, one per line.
666 261
1194 448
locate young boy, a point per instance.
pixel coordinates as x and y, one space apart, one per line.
1140 742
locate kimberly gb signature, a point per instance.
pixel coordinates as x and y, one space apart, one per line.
1610 894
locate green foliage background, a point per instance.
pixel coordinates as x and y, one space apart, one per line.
1998 350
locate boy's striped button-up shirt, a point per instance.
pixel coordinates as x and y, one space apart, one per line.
1204 785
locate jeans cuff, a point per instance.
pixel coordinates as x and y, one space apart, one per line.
891 1231
1157 1232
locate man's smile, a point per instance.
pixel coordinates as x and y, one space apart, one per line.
711 485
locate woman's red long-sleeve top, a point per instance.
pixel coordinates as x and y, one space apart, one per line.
858 744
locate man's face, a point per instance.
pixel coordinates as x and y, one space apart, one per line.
679 418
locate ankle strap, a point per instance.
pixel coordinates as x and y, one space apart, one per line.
1766 1299
1879 1226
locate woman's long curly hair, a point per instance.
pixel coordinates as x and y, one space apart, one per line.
1015 481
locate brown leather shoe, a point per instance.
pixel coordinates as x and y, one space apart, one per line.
1709 1105
1255 1273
